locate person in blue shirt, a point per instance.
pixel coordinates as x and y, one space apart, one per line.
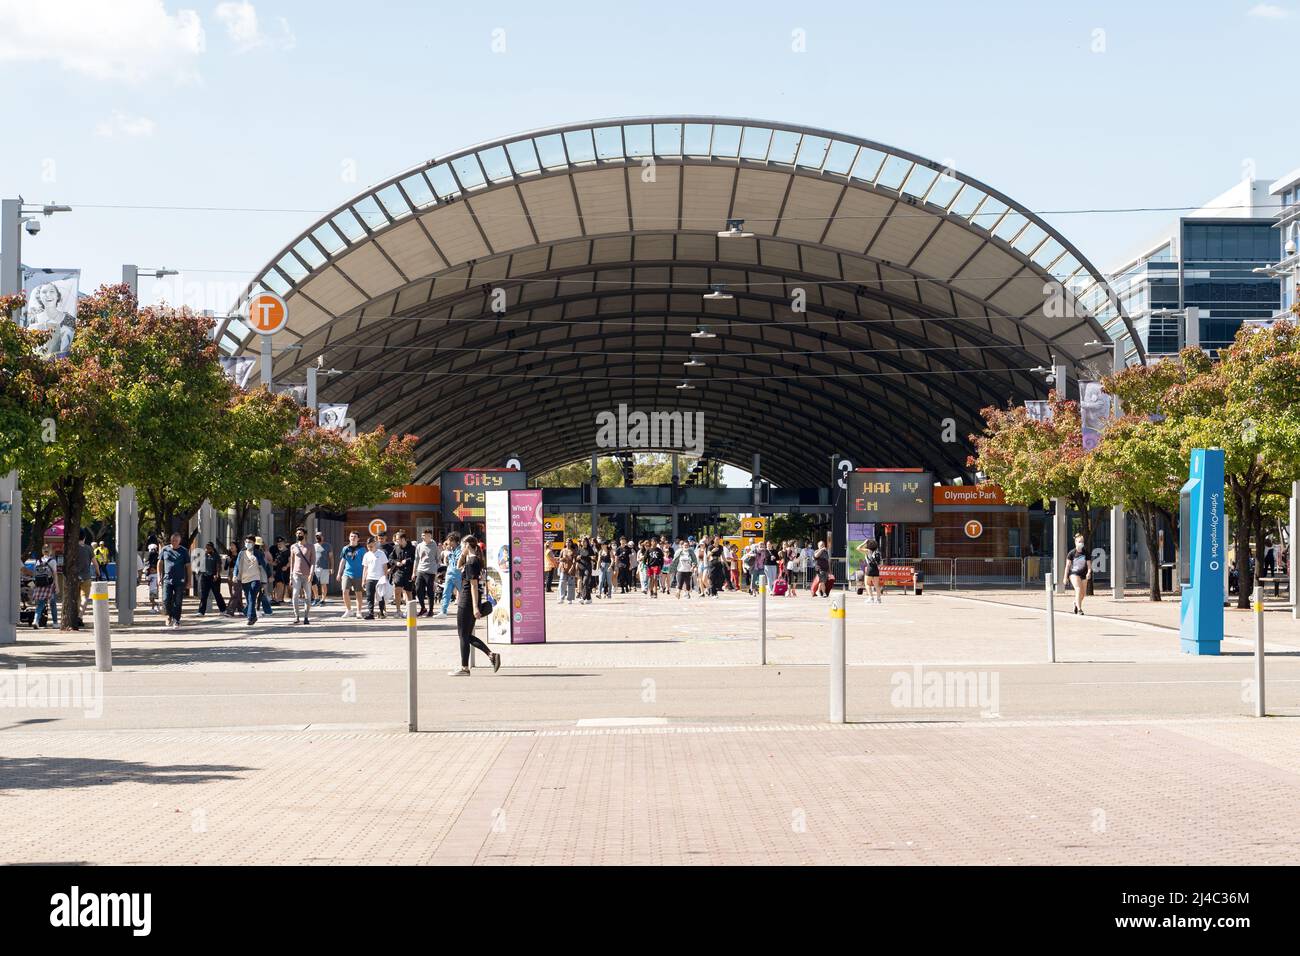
173 564
452 581
251 574
350 574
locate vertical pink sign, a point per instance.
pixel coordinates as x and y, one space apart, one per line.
527 584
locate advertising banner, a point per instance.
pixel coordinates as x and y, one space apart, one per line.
52 307
527 577
332 416
1094 411
857 537
1039 411
496 551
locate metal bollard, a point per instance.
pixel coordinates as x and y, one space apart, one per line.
1050 586
103 645
1259 650
762 621
837 658
412 670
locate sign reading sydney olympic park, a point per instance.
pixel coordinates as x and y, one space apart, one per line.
668 431
905 497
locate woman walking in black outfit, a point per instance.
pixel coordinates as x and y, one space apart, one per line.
467 610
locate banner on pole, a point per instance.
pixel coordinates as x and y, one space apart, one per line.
52 307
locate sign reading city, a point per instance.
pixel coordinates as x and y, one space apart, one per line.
267 313
463 491
883 495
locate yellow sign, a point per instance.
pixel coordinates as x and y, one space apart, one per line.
753 527
553 533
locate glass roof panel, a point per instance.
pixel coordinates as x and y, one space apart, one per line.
328 238
894 172
495 164
1048 252
392 199
668 139
1010 225
444 183
309 254
348 225
987 216
754 143
1029 239
966 202
417 188
726 141
236 327
839 159
638 140
467 171
696 139
785 146
920 180
522 156
609 142
868 164
580 146
292 267
942 192
1065 267
275 282
812 152
368 211
551 150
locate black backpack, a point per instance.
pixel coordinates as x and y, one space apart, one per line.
42 574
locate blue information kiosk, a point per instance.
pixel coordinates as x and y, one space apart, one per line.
1203 553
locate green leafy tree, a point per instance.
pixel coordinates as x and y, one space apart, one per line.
329 471
247 463
24 379
1036 460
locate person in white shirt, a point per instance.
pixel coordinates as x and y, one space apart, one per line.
374 570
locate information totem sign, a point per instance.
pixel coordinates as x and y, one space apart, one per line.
1204 551
514 544
753 527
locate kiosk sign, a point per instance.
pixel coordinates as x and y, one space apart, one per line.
903 497
1202 546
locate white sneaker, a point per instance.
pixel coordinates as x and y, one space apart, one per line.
461 672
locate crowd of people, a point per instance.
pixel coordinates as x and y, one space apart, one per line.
587 569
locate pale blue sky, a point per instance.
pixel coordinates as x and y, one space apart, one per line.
203 108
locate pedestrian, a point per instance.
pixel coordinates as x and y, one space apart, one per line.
280 562
549 564
210 580
684 564
251 572
654 565
351 574
235 606
45 588
452 579
426 569
151 576
1080 570
585 571
605 571
268 586
401 569
871 570
173 565
321 572
375 572
471 608
302 563
822 562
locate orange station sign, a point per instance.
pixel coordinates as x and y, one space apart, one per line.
969 495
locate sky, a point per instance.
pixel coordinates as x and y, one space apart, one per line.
261 116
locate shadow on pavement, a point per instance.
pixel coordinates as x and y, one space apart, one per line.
54 773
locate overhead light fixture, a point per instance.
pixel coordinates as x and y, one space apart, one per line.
719 292
735 230
703 333
686 386
694 362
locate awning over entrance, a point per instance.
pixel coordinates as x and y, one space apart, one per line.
495 300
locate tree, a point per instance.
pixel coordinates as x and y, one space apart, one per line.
247 463
1035 460
24 380
328 471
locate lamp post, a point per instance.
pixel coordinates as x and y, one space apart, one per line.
131 276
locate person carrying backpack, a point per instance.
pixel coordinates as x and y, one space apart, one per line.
45 588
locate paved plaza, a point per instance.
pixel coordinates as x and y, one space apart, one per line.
646 732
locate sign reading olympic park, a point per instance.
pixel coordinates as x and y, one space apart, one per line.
463 491
267 313
900 496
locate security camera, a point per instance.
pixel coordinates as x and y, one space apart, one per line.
1050 379
33 226
1290 247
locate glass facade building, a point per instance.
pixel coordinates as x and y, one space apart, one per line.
1287 226
1205 260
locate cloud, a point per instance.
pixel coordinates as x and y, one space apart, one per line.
124 124
1268 11
128 40
240 20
